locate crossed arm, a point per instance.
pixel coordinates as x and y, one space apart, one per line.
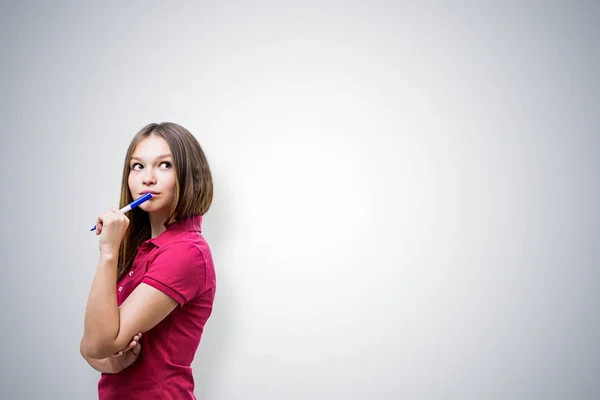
109 328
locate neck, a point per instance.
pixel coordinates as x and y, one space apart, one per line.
157 223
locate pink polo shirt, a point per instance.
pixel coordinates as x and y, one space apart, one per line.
178 263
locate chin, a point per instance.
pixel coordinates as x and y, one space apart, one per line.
153 207
147 207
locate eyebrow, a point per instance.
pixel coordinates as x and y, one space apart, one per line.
158 158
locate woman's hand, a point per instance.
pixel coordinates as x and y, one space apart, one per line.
114 224
125 357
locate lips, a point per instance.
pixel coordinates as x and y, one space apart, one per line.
149 191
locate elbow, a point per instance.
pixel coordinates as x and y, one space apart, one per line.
90 352
90 349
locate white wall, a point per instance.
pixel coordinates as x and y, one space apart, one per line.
406 196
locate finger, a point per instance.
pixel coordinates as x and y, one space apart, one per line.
130 345
121 352
99 223
136 350
136 338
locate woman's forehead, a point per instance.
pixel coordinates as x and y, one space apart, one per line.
152 147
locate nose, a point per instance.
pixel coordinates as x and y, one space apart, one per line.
148 178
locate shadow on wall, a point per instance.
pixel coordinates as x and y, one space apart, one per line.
217 328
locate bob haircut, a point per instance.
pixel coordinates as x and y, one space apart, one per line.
193 187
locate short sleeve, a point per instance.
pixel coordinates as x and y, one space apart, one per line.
179 271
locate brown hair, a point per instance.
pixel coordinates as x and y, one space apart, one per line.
193 187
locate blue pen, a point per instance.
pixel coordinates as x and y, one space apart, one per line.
132 205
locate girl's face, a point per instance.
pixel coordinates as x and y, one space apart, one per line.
151 170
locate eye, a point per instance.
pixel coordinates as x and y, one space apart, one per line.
167 165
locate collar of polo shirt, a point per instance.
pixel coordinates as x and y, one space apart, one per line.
191 224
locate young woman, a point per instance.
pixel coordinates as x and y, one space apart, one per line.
155 275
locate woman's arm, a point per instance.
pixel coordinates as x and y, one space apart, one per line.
118 362
109 328
99 365
102 314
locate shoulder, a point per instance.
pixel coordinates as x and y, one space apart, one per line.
183 266
190 248
181 251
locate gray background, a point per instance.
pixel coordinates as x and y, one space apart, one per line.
406 196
